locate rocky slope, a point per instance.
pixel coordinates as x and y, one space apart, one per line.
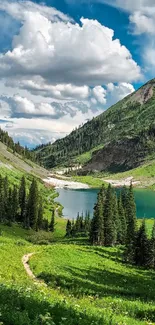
122 155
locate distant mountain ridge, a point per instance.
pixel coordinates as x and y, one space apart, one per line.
130 123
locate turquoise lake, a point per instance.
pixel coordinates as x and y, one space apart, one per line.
75 201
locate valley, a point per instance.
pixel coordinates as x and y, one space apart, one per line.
54 275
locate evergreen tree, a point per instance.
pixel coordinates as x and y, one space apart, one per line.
40 216
124 197
68 228
14 204
81 223
32 205
78 223
109 228
87 222
97 224
131 216
52 223
9 208
141 246
73 229
122 233
116 220
22 199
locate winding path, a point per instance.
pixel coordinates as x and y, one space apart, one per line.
25 261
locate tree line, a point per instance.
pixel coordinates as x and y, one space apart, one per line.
79 227
16 147
22 205
114 223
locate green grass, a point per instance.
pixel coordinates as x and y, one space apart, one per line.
90 180
85 285
85 157
95 278
145 174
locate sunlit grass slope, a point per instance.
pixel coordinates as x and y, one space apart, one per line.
86 285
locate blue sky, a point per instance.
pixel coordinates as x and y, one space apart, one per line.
64 61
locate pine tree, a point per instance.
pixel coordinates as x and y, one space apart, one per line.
73 230
68 228
78 223
9 208
87 222
116 220
52 223
122 233
22 200
14 204
124 197
81 223
40 216
109 228
131 216
32 205
141 246
97 224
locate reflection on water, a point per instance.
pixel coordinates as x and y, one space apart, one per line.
75 201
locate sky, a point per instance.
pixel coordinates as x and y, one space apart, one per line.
62 62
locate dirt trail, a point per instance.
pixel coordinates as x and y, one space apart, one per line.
25 261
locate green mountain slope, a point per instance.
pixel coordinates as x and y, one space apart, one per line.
13 161
130 119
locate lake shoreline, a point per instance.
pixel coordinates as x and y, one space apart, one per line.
63 183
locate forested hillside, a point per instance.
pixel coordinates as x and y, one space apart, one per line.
16 147
128 119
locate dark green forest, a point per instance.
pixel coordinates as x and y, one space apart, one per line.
23 206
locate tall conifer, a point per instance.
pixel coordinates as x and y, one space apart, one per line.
131 216
109 229
97 224
22 199
123 225
32 206
141 246
52 223
68 228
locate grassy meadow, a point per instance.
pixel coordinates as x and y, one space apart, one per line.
85 285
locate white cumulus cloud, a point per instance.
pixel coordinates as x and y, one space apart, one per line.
55 75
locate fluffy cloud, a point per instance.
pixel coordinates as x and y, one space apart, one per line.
37 86
118 92
63 52
35 123
20 9
130 5
99 94
56 73
37 130
18 107
142 22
